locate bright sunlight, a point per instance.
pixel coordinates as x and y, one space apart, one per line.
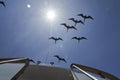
51 15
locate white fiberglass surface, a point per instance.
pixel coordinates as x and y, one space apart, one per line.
82 76
8 70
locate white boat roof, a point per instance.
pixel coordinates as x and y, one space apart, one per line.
21 69
41 72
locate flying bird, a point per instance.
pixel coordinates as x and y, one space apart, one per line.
76 21
56 39
38 62
60 59
69 27
65 25
31 60
72 27
85 16
51 63
79 38
1 2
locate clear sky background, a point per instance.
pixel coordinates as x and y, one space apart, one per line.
24 32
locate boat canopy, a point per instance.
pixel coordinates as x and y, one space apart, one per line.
21 69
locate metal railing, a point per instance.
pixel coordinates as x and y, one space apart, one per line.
12 60
16 60
84 72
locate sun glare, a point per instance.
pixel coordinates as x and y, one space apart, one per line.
51 15
28 6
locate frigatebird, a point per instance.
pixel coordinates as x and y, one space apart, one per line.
56 39
38 62
79 38
72 27
64 24
85 16
51 63
60 59
69 27
1 2
76 21
31 60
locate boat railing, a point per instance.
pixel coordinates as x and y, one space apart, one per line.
11 60
25 61
99 74
84 72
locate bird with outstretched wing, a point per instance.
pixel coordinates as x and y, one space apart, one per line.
68 26
85 16
56 39
31 60
76 21
60 59
79 38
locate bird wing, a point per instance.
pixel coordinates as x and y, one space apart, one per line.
51 63
79 14
51 38
80 21
57 56
74 38
72 19
64 24
74 27
83 38
64 60
60 39
82 15
31 60
1 2
90 17
38 62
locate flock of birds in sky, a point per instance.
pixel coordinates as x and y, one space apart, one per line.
57 56
85 17
75 21
73 27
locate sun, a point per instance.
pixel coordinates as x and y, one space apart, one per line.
51 15
28 6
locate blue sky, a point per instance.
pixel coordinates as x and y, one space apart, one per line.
24 32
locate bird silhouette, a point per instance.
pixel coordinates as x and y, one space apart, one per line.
51 63
69 27
60 59
85 16
65 25
38 62
76 21
72 27
31 60
56 39
1 2
79 38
